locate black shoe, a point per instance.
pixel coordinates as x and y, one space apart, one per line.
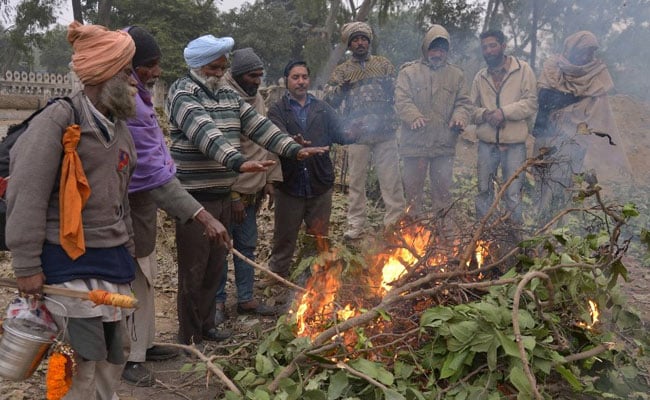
160 353
217 335
220 314
137 374
255 307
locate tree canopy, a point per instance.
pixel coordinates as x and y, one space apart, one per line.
280 30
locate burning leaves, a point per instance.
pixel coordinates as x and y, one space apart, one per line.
335 293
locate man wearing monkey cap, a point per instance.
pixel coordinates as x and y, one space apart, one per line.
362 87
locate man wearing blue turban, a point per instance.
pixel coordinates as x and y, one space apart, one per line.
206 121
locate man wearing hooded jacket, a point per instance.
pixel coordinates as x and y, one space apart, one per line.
433 105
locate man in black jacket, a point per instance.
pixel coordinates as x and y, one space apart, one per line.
306 191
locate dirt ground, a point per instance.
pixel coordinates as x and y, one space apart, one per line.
178 379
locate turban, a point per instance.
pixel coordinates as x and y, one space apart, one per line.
352 29
98 54
207 48
243 61
146 48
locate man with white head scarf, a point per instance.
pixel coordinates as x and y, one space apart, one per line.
573 89
80 238
206 122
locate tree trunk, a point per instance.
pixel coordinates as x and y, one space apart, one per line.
104 12
76 11
533 34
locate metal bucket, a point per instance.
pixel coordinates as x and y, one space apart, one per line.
22 347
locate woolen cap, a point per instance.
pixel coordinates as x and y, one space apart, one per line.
353 29
244 61
146 47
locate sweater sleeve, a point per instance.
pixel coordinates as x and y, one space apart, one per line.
189 115
476 116
263 132
405 108
176 201
34 166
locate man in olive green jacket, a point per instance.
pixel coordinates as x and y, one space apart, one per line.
433 105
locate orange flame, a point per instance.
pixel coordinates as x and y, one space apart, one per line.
416 239
595 316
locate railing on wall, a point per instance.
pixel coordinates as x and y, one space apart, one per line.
43 85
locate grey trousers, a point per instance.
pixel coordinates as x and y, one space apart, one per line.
440 171
200 265
290 212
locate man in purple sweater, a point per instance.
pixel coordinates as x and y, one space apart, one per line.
154 185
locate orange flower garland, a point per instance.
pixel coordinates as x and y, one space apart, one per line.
60 369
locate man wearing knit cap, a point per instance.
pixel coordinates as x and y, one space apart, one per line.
153 185
249 190
432 102
364 85
80 238
206 122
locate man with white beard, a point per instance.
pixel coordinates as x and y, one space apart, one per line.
206 122
153 185
80 237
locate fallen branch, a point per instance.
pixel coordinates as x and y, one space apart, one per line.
266 270
215 369
601 348
361 375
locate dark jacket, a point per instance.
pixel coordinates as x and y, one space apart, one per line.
323 129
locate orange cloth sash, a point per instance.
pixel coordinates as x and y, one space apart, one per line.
73 193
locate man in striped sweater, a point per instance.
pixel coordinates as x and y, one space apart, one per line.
206 122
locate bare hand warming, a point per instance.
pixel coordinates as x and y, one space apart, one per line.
256 166
307 152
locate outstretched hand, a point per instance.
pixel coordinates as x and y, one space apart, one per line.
301 140
256 166
307 152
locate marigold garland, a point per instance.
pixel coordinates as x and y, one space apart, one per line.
60 369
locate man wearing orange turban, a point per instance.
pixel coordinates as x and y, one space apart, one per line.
81 237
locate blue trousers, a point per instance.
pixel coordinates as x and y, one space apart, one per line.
510 157
244 237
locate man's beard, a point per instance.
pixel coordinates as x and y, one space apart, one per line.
118 97
250 90
493 61
212 82
149 85
436 62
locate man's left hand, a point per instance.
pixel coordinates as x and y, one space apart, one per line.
256 166
457 125
307 152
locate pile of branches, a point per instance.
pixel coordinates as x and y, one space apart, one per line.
522 326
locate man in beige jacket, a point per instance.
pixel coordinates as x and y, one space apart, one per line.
505 96
248 191
433 105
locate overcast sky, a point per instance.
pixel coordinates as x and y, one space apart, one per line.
224 5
